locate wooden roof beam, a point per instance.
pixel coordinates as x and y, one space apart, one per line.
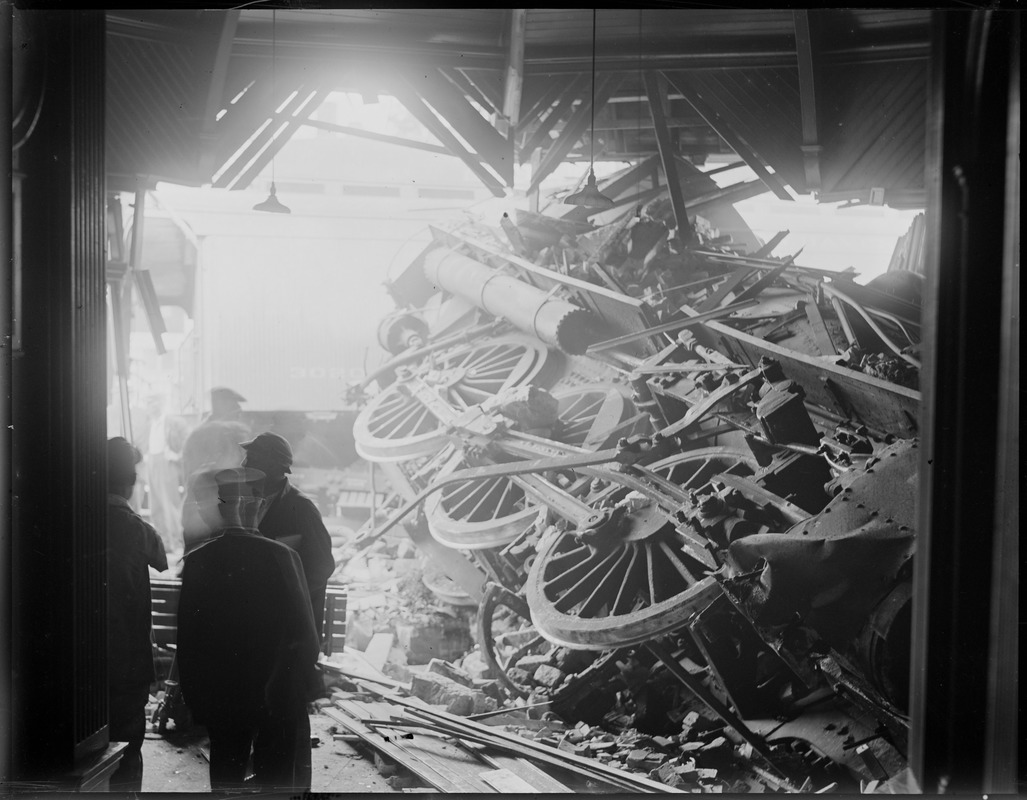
453 106
403 91
563 109
574 130
293 122
725 132
227 23
237 162
459 78
808 79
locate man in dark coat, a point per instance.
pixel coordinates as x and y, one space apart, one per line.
132 547
292 518
247 648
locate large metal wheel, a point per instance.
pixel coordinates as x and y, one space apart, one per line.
394 426
637 582
477 515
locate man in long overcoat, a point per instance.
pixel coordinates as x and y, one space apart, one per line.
247 647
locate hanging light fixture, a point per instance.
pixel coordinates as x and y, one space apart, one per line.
590 196
273 204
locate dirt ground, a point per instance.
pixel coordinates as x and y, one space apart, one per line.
176 763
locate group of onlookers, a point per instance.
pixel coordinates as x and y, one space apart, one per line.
257 559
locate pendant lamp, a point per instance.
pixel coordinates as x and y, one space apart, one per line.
590 196
273 204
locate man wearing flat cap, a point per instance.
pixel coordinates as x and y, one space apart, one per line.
291 517
247 648
132 547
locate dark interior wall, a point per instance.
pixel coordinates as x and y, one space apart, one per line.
963 709
59 704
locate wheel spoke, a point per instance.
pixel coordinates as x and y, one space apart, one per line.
650 582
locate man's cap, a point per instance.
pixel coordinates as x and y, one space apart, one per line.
224 391
240 482
122 458
271 446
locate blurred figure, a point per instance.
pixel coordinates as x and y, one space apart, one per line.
292 518
212 445
225 405
247 648
132 547
161 438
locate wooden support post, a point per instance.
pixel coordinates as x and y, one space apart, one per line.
514 78
806 56
654 89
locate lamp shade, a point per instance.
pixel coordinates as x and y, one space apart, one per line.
273 204
590 196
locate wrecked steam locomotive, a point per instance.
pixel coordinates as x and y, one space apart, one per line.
693 465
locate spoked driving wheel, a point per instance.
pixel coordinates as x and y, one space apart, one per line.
475 515
634 576
396 426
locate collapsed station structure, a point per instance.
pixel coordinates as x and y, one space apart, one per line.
728 523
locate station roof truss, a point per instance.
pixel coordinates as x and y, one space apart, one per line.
830 101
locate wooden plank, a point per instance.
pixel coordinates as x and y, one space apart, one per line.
526 769
459 726
378 649
825 344
752 292
722 291
436 775
768 248
506 782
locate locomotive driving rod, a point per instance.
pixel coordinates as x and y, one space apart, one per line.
622 455
497 471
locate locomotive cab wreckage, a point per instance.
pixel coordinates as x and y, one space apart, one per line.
679 482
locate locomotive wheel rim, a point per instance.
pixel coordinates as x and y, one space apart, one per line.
589 414
396 427
462 534
632 591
